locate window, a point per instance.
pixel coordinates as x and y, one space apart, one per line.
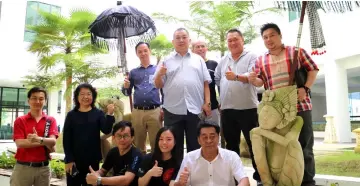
33 17
0 9
293 15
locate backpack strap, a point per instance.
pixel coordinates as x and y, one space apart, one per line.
46 133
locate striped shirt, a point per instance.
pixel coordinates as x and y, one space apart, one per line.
276 72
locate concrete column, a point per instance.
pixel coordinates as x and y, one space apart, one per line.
52 102
337 101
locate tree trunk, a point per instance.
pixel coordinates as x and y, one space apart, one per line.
68 91
222 44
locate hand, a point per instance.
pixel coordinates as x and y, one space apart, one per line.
156 171
34 138
252 76
230 75
110 109
68 167
91 178
184 176
161 117
301 94
126 82
207 109
162 70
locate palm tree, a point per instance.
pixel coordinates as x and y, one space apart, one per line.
213 19
65 42
160 47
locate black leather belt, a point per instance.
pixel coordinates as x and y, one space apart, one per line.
34 164
151 107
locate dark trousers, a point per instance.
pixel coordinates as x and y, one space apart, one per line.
183 123
80 179
236 121
306 140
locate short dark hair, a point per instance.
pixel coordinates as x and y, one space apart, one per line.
140 43
36 90
181 29
268 26
233 30
77 92
207 124
121 126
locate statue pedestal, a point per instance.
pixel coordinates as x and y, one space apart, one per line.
357 148
330 132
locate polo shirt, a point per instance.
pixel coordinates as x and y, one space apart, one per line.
23 126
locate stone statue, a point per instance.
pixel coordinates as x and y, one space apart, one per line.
106 140
277 152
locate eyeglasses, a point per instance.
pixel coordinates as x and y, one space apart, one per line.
119 137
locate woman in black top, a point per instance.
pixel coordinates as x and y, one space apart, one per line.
160 167
81 139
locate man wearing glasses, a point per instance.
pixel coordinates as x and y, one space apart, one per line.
35 136
124 159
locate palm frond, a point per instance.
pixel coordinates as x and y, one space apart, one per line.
327 6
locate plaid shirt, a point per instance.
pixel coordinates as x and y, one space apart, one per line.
275 74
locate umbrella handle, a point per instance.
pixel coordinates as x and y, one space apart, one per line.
294 64
130 96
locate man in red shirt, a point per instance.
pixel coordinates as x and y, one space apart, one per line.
35 137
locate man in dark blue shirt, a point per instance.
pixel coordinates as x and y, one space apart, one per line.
146 113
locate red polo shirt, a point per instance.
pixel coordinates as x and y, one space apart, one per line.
23 126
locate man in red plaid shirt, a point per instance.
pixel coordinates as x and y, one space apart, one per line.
274 67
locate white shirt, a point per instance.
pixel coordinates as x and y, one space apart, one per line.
236 94
184 83
220 172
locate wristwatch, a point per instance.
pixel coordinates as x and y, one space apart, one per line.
41 140
307 89
237 78
98 181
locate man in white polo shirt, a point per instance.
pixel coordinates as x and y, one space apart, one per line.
211 165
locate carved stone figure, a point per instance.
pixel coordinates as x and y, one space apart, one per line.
277 152
106 140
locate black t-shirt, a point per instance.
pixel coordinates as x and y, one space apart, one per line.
211 66
129 162
170 170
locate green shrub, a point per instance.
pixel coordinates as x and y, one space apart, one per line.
7 161
57 168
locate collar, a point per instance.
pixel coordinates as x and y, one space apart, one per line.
268 52
220 153
242 54
28 116
141 66
188 53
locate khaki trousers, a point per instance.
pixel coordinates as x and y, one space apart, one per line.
23 175
145 121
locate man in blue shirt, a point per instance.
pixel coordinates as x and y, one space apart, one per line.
145 116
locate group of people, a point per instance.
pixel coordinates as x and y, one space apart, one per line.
174 97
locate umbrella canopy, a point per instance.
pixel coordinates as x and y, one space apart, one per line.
316 33
115 25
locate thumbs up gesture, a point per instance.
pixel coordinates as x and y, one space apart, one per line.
156 171
230 75
162 70
91 178
252 76
184 176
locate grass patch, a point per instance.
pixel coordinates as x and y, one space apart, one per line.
345 163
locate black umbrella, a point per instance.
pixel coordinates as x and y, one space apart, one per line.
114 26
